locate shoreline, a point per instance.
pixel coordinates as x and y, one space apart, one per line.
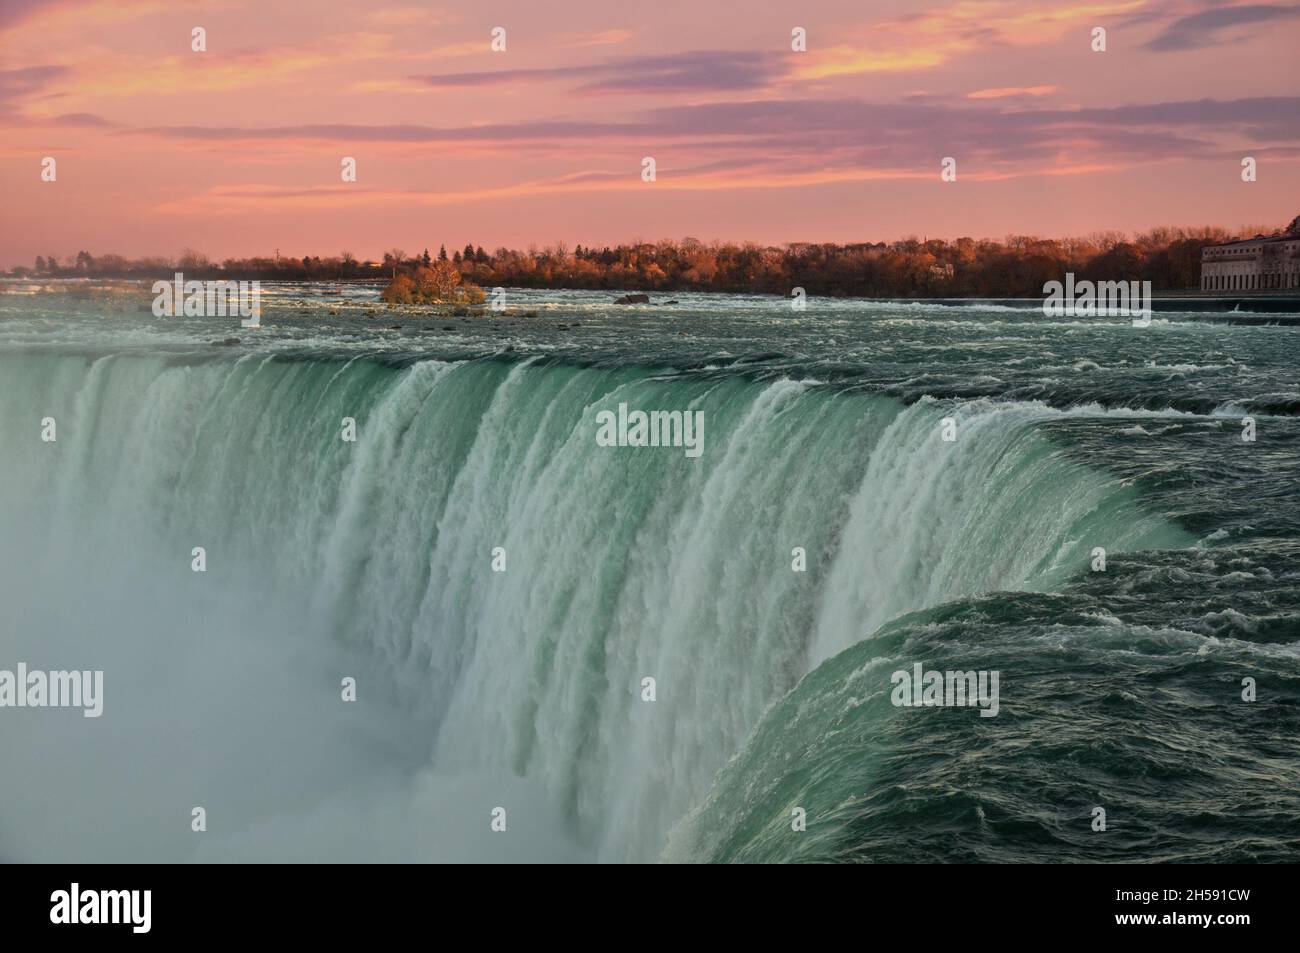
1241 304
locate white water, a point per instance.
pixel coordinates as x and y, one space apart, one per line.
477 689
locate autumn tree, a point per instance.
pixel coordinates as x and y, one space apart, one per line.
439 283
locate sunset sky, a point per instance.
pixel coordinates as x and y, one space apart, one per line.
236 151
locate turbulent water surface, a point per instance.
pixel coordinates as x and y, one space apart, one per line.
523 689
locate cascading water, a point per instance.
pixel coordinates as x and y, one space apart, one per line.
497 687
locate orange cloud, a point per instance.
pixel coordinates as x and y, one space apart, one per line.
932 39
603 38
1005 92
247 199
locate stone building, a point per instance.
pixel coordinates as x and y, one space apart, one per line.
1255 264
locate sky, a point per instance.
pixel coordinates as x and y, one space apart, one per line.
238 149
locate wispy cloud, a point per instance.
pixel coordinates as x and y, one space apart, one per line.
829 140
51 14
696 71
936 36
600 38
1208 27
1008 92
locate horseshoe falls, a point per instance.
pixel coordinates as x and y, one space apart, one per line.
632 654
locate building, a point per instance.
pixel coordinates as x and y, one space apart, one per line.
1262 263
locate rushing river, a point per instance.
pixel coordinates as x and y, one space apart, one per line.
823 450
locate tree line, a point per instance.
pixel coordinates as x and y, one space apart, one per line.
1019 265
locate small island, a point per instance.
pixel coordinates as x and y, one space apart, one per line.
437 284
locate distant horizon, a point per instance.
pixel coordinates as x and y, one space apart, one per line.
1242 231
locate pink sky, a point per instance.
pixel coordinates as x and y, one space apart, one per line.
237 150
